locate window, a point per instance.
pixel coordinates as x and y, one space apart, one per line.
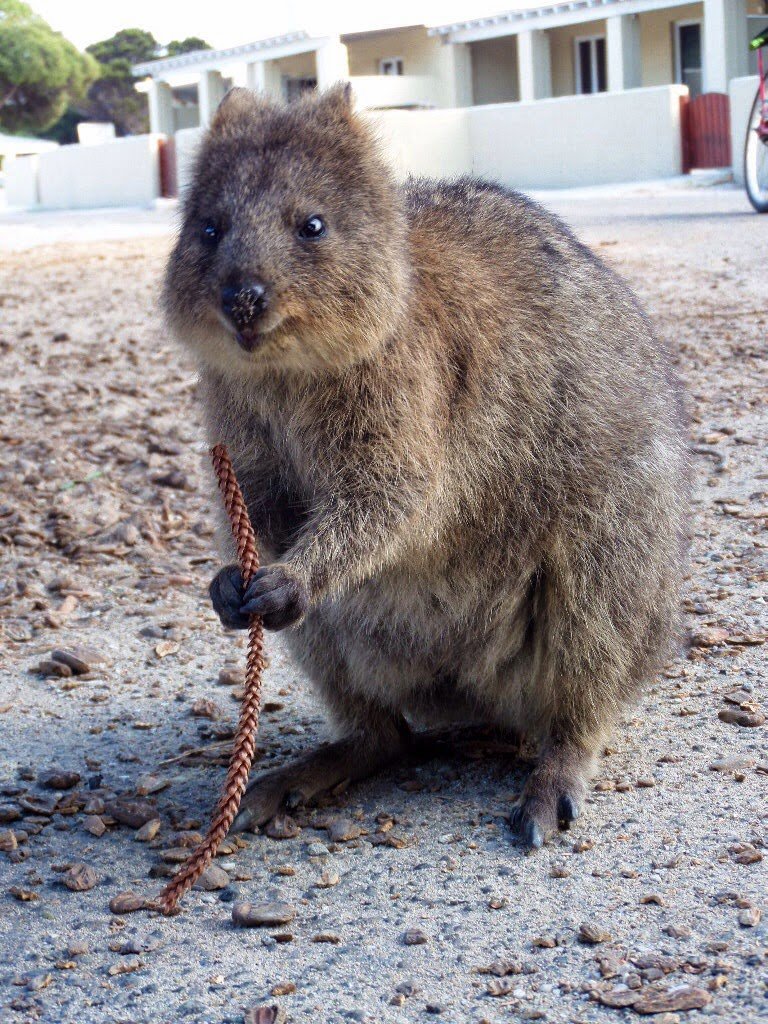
391 66
688 55
590 64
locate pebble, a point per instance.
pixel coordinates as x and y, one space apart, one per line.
257 915
133 813
231 676
80 878
282 826
342 830
593 934
732 764
317 850
127 902
148 830
212 878
750 917
9 813
59 779
95 825
415 937
79 659
327 880
741 716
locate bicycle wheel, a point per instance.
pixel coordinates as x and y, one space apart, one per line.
756 162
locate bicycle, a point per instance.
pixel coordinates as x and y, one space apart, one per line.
756 144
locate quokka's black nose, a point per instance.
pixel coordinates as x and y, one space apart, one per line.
244 303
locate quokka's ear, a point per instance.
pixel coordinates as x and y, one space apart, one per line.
335 104
236 110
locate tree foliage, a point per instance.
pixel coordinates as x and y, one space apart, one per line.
40 71
188 45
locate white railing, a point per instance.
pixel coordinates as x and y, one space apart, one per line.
379 92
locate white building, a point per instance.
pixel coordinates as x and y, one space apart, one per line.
560 49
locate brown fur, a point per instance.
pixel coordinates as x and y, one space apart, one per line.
459 440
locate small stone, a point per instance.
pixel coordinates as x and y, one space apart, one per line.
732 764
708 636
583 845
283 988
745 853
148 784
23 895
678 931
258 915
327 880
327 937
681 997
78 947
213 878
415 937
80 878
204 708
59 779
148 830
8 841
317 850
342 830
127 903
559 871
48 667
282 826
133 813
231 676
79 659
593 934
741 716
750 917
95 825
9 813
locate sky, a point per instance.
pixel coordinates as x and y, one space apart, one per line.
230 22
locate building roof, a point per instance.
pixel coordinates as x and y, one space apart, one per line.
567 10
197 57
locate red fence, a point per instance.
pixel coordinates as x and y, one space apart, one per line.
705 123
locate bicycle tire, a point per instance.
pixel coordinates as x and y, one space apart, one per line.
756 176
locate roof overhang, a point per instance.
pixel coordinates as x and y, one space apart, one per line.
213 60
573 12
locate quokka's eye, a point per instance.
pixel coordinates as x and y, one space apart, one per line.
312 228
209 233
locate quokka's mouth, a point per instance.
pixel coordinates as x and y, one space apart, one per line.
249 340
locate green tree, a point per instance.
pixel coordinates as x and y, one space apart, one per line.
40 71
188 45
131 45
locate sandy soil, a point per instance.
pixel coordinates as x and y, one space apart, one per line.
653 901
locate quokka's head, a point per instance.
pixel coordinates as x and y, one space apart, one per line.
291 254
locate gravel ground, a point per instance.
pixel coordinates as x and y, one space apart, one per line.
408 900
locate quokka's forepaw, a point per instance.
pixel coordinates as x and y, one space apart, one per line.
277 595
227 590
541 812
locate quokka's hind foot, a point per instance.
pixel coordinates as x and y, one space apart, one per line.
553 794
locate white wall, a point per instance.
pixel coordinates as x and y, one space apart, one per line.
579 140
741 92
433 143
187 144
21 177
125 172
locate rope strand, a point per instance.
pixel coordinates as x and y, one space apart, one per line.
244 745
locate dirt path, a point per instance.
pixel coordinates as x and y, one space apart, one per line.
105 543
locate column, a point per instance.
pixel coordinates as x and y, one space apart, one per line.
264 76
725 43
622 39
534 65
160 107
210 93
455 67
331 63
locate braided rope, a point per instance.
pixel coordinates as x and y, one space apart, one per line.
244 745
